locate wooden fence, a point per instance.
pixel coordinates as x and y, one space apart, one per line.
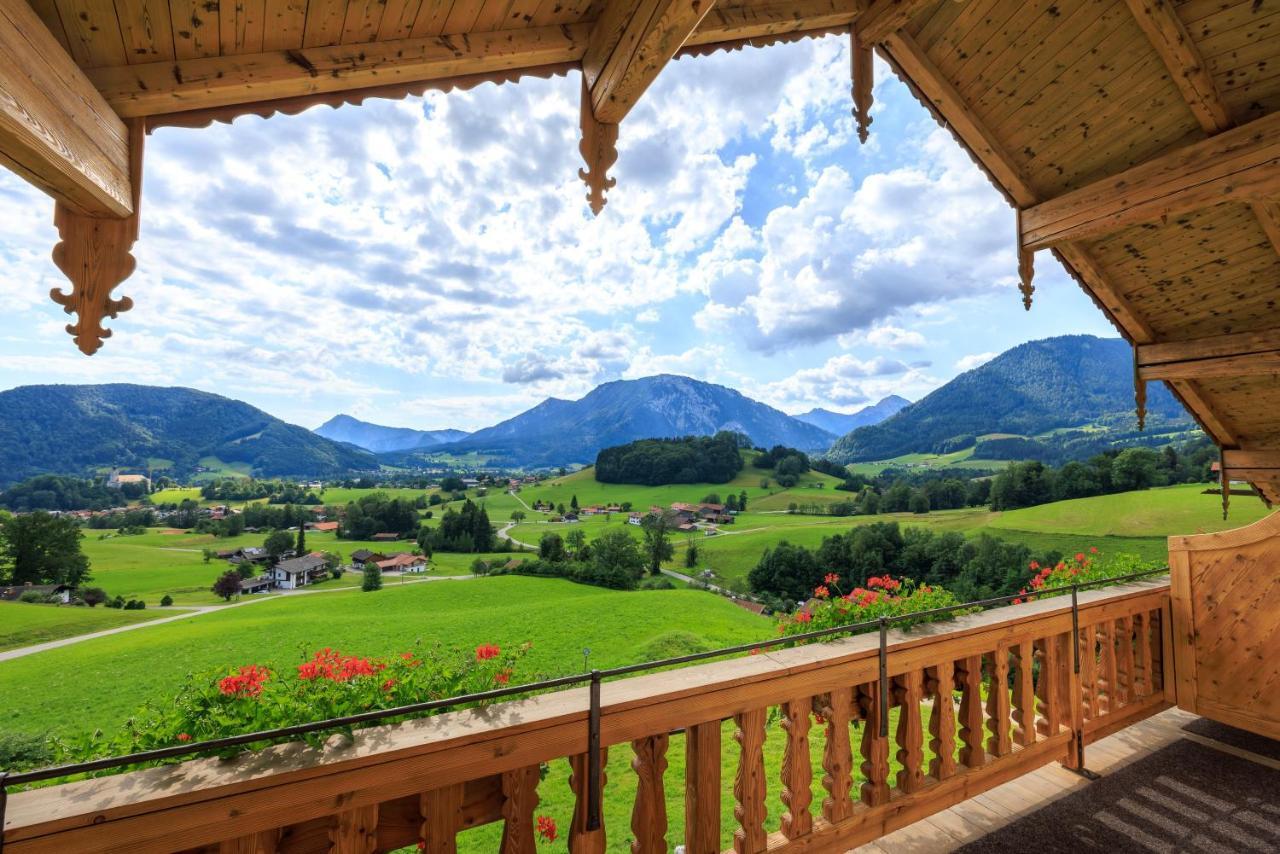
989 696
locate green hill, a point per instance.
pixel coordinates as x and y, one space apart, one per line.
1072 394
76 429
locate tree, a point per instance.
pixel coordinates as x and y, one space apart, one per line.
573 502
38 548
166 600
918 503
712 498
276 544
691 555
1134 468
517 516
786 571
551 548
742 501
93 596
616 560
372 578
227 585
333 563
300 548
657 542
575 540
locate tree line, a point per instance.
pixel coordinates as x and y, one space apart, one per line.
689 459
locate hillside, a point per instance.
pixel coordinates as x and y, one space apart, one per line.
73 429
380 439
1074 381
841 422
564 432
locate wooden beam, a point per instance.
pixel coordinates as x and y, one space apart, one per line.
883 18
1242 164
630 44
1256 460
1234 355
169 87
1168 35
738 23
56 131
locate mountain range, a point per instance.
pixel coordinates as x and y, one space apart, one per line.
379 439
74 429
1073 381
840 423
563 432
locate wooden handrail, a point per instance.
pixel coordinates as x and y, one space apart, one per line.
424 780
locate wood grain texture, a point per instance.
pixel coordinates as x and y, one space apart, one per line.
582 840
520 799
702 789
797 769
942 721
649 813
440 810
837 755
908 695
874 748
749 790
354 831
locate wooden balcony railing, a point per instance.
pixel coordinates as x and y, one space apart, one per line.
988 696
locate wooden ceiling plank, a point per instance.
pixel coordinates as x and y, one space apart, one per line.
1017 40
1233 35
1239 164
462 17
284 24
1166 32
195 29
146 29
520 14
157 88
1213 347
1223 366
432 15
55 129
723 24
493 15
362 21
932 25
630 44
977 25
885 17
325 19
397 20
93 32
48 12
240 25
1214 423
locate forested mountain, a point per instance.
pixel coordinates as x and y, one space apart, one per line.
1074 381
841 423
73 429
563 432
379 439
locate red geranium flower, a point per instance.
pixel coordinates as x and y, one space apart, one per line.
1079 557
830 578
182 736
547 828
804 617
247 682
502 677
486 651
821 591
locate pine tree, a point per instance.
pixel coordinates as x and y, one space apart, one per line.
301 547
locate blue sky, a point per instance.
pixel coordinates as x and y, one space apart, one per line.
432 262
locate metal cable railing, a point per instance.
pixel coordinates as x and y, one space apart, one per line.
592 679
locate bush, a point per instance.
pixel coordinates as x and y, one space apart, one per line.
672 645
166 601
93 596
135 605
660 582
20 751
33 597
372 578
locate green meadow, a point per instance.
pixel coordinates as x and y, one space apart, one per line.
25 624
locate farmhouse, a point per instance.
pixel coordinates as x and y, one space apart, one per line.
258 584
299 571
59 592
403 562
385 537
323 526
360 557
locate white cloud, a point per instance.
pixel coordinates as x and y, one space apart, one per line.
974 360
893 338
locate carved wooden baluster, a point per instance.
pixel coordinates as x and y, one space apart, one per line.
354 831
969 681
1124 663
649 816
265 842
875 748
999 742
797 769
908 694
520 799
1024 695
1107 665
440 809
1089 671
1158 642
1142 668
581 840
942 721
702 789
1048 701
837 756
749 786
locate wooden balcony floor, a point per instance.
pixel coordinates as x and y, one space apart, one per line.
1163 788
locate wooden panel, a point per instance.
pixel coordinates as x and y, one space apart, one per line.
1227 632
194 84
147 30
702 789
325 20
240 25
48 12
195 29
55 129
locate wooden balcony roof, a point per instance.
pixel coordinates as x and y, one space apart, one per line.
1138 139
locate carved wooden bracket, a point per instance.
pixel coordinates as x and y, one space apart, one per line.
863 71
94 253
1026 268
1139 391
599 148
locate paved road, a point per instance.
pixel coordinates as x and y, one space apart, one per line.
197 610
504 535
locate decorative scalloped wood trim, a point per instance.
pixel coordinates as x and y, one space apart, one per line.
599 148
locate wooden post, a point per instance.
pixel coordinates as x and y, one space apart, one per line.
908 694
1024 695
264 842
1048 708
969 681
440 809
520 799
1089 671
581 840
837 756
797 769
875 748
749 785
942 721
702 789
649 814
999 742
354 831
1107 666
1142 668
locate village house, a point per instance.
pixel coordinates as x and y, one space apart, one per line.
116 480
635 519
323 527
385 537
299 571
360 557
403 562
257 584
60 592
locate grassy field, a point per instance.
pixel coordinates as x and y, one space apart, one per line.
23 624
